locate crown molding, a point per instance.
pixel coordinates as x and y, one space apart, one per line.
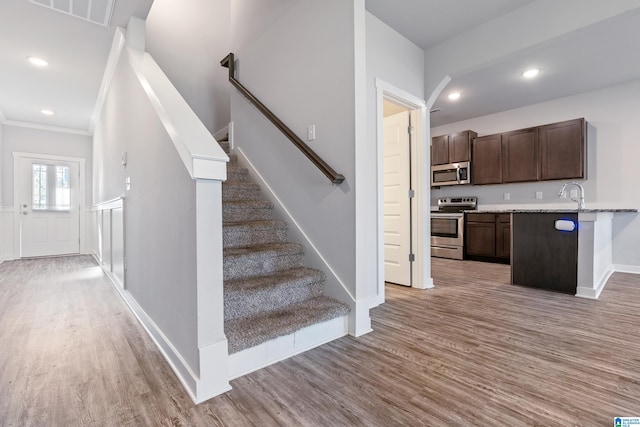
44 127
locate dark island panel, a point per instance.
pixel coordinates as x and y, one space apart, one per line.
543 257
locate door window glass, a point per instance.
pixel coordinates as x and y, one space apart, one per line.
50 187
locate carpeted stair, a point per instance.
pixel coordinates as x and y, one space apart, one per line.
268 293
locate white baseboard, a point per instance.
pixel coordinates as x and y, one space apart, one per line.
270 352
190 381
594 293
621 268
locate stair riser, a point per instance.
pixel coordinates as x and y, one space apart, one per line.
251 265
231 214
237 238
231 193
237 175
256 302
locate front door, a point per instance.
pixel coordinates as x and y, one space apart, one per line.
397 207
49 207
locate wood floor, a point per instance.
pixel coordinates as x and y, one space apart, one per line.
472 351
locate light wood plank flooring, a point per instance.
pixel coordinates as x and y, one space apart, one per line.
472 351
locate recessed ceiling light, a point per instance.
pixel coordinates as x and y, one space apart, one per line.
454 95
38 62
531 73
47 112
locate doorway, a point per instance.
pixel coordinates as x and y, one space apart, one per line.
398 193
48 196
420 202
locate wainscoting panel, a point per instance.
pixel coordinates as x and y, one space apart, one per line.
6 233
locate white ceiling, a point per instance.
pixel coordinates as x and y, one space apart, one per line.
600 55
77 52
429 22
597 56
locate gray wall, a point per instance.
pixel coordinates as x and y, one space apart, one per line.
159 210
302 68
29 140
188 39
395 60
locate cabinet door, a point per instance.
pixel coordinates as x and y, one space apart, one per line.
562 150
487 160
440 150
460 146
520 156
480 235
503 236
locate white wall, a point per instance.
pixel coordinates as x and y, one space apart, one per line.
188 39
612 153
159 217
302 67
29 140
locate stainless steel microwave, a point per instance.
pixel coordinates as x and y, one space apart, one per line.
451 174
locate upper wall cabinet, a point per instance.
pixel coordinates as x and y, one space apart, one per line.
520 156
562 150
487 160
453 148
549 152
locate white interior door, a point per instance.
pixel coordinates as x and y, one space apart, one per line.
49 207
397 207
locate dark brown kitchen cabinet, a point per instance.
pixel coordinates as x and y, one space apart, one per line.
503 235
488 237
453 148
562 150
487 160
520 156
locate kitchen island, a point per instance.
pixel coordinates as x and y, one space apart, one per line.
566 250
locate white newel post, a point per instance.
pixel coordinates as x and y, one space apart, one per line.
212 342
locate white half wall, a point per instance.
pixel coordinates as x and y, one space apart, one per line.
612 153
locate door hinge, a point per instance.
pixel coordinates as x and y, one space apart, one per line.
412 194
412 257
410 129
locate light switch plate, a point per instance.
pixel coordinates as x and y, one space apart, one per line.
311 132
127 182
574 193
539 195
506 196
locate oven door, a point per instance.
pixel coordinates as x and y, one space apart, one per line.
447 229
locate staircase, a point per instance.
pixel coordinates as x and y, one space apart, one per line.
268 293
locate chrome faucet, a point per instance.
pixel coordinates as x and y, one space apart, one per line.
580 199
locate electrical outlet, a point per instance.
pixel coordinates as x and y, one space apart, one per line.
127 183
574 193
539 195
507 196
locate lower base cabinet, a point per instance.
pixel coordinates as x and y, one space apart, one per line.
488 237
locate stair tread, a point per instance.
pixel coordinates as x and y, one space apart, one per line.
266 248
248 204
252 331
294 277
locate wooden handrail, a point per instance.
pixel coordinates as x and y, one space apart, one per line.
335 177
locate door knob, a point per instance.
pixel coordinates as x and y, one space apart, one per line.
25 213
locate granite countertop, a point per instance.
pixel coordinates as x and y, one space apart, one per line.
551 210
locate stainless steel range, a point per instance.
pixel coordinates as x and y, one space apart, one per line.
447 226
